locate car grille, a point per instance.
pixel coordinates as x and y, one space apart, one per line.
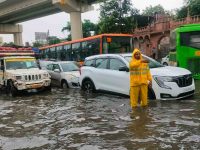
34 77
193 65
183 81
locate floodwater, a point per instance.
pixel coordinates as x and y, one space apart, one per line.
74 120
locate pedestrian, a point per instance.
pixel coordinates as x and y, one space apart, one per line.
154 53
140 78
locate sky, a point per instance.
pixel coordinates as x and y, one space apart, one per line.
54 23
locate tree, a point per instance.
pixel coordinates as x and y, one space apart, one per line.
151 10
11 44
53 40
117 16
87 26
191 6
37 44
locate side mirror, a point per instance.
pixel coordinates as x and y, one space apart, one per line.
56 70
124 69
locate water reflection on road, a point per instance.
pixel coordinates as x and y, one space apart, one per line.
74 120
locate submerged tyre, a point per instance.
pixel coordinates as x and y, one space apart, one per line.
64 85
88 85
11 90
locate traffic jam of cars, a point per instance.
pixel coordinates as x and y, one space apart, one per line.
102 72
110 73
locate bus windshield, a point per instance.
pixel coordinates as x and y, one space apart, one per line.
191 39
117 44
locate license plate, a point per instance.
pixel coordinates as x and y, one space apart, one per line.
34 86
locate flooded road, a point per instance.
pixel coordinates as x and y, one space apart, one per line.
73 120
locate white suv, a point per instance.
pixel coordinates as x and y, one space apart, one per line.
110 72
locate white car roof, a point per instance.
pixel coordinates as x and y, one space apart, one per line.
104 55
121 55
62 62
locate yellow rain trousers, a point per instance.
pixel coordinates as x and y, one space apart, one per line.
140 76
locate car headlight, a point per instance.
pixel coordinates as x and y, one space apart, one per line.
18 77
161 81
46 75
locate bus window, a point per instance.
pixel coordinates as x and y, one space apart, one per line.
89 48
67 53
173 41
191 39
76 48
117 44
84 51
53 54
59 52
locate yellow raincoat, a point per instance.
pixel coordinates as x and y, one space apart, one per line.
140 77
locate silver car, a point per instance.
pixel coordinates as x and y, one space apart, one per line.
64 74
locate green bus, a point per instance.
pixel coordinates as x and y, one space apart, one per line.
185 48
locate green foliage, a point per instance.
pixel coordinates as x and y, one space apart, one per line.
37 44
193 6
87 26
150 11
53 40
11 44
182 13
67 27
117 16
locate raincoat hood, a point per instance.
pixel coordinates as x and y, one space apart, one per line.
135 51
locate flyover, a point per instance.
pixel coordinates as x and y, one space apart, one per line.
16 11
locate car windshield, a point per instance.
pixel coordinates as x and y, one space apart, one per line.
21 64
67 67
152 62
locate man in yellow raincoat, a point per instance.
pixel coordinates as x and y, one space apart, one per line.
140 78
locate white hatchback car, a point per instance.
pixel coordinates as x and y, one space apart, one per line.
64 73
110 72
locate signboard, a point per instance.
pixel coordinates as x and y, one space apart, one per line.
41 36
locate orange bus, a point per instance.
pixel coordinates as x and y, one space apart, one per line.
78 50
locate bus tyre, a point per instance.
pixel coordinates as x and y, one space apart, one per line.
11 90
64 84
88 86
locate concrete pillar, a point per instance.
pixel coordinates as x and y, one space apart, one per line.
74 8
16 30
18 39
76 25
